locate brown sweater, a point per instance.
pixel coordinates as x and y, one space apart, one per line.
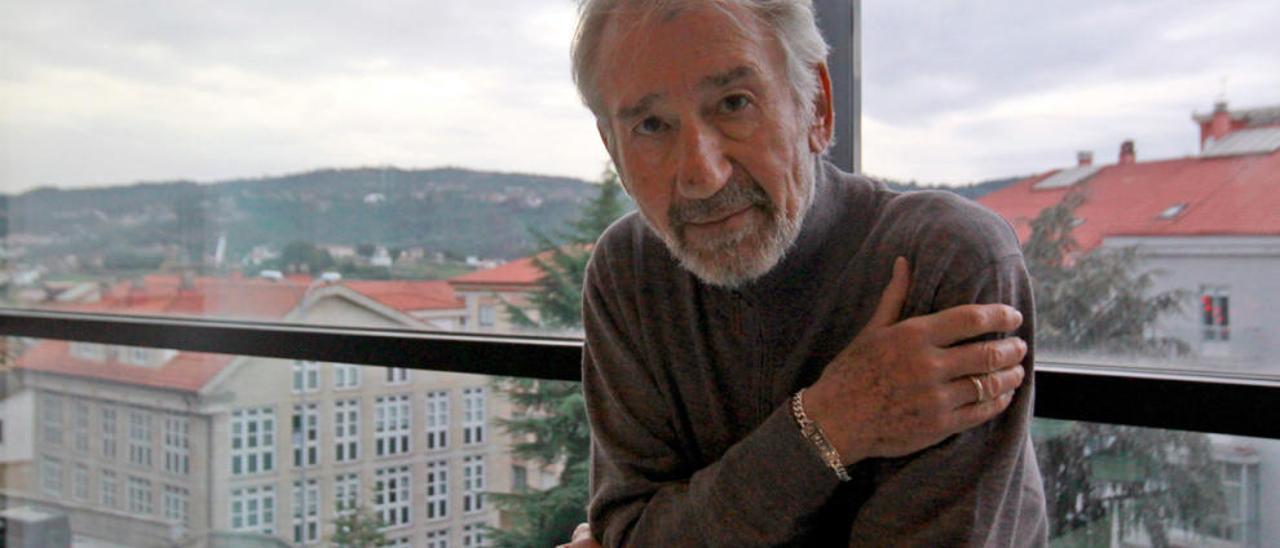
687 385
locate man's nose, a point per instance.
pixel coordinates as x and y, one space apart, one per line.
703 167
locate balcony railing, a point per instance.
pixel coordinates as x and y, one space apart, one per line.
1238 404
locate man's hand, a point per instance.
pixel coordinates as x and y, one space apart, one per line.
581 538
900 387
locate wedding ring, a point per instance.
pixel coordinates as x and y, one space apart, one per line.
977 385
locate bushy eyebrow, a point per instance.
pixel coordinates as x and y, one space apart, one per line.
714 81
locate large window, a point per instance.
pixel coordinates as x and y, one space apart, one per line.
139 495
346 493
51 419
438 419
305 426
80 426
472 483
253 509
392 419
107 489
306 512
437 489
320 195
140 438
253 443
108 419
473 404
346 430
392 492
177 445
306 376
176 504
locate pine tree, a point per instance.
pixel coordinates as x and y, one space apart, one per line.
360 528
1098 302
552 423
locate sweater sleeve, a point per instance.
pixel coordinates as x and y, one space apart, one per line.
980 487
765 490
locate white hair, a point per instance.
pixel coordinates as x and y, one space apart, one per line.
791 21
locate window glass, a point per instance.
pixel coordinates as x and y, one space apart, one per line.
1150 127
347 165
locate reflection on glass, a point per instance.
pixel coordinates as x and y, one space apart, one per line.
193 448
1111 485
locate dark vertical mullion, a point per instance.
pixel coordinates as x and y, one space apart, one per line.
839 22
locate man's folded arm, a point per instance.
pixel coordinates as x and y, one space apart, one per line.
764 490
979 487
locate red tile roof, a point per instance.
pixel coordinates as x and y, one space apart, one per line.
236 297
188 371
520 272
409 296
1231 196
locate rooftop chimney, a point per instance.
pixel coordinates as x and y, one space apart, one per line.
1084 158
1220 125
1127 155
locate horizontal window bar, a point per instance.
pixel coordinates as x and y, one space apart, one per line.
1196 401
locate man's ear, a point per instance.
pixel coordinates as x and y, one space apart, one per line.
824 116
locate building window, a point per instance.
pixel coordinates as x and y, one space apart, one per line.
473 483
473 534
437 420
109 432
401 542
89 351
1240 503
346 430
473 415
108 489
80 482
305 427
345 376
253 440
438 538
397 375
134 355
80 426
140 438
306 512
175 504
391 495
346 493
488 315
139 496
519 479
438 489
51 418
51 476
391 425
253 509
1215 316
177 445
306 376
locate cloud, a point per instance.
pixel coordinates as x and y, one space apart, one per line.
110 91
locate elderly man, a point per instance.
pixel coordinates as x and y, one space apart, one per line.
777 352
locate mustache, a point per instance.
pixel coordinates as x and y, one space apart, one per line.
739 193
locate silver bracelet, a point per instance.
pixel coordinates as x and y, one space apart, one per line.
812 432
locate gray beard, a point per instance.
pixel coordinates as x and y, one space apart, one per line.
717 261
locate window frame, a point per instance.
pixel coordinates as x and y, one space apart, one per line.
1240 400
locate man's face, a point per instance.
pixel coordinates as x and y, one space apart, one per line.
708 137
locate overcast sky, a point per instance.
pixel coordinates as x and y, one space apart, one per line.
108 92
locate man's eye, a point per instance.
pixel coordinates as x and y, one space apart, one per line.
734 103
650 125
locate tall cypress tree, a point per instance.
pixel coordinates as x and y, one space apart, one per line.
552 418
1098 302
